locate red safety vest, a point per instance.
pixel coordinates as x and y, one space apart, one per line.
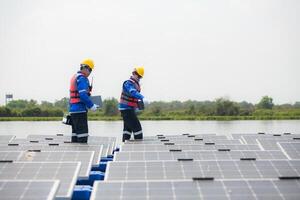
74 94
126 97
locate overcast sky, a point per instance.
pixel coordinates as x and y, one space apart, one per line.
191 49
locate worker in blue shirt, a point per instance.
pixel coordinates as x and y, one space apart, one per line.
80 102
130 101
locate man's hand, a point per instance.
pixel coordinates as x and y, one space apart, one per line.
94 107
141 105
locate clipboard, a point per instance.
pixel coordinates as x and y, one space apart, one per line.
97 100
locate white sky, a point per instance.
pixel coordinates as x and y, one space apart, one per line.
191 49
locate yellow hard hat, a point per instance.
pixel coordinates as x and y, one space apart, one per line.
88 62
139 71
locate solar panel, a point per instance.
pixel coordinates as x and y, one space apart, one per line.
85 157
22 140
108 143
104 148
26 141
61 137
76 147
65 172
28 189
189 169
291 149
10 155
184 141
96 140
180 137
199 155
4 139
237 136
271 144
197 141
207 190
49 137
191 147
107 148
210 136
264 135
253 139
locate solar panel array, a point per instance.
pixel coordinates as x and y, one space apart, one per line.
190 169
4 139
207 190
205 166
180 137
292 150
107 142
107 147
191 147
46 166
65 172
85 157
199 155
28 189
41 148
186 141
249 166
10 155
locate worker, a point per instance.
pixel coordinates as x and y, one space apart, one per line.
129 104
80 102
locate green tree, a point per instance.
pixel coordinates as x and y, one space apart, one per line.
191 110
297 104
156 110
6 112
285 106
53 113
31 112
225 107
21 104
110 107
62 104
46 105
207 108
265 103
246 108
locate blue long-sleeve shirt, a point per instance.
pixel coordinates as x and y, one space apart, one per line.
83 90
129 87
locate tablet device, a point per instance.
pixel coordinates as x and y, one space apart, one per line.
97 100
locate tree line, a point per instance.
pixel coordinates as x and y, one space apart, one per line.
221 107
31 108
218 107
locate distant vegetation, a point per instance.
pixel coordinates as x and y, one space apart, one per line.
24 108
220 109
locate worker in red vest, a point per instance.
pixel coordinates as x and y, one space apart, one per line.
130 100
80 102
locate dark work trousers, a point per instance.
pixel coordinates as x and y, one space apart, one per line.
80 131
131 125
